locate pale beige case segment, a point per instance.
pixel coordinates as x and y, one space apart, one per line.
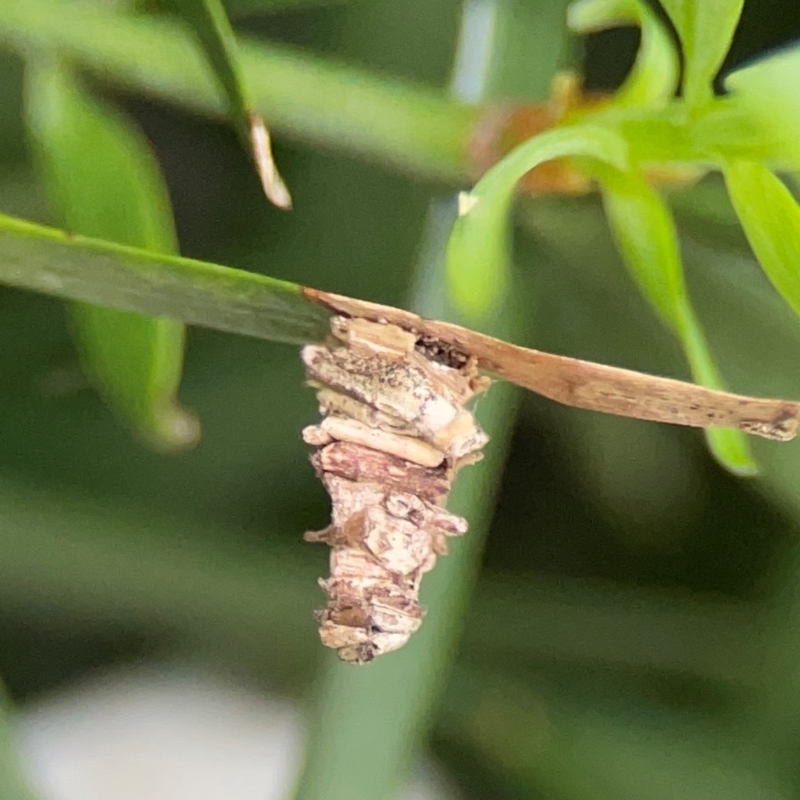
395 430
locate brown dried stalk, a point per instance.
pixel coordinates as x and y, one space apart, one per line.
584 384
393 390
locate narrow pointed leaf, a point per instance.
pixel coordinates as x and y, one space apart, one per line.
770 217
767 91
646 236
210 24
75 267
478 252
103 181
653 79
706 28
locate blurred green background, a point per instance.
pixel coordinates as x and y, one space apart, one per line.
635 631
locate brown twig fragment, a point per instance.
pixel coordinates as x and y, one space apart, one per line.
584 384
393 389
395 430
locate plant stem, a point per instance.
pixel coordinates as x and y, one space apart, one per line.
379 715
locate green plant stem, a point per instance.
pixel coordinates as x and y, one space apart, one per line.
379 715
412 128
126 278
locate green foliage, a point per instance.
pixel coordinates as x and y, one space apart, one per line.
672 671
653 79
770 217
477 256
705 30
765 90
209 22
86 154
639 219
646 235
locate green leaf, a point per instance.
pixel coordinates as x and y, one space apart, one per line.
767 91
645 233
566 744
646 236
130 279
729 447
209 22
103 181
706 28
653 80
477 255
416 129
211 26
770 217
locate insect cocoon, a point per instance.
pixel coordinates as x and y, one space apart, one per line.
395 431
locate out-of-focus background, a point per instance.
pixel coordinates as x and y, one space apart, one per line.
635 628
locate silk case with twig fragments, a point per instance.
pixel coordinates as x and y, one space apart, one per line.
395 431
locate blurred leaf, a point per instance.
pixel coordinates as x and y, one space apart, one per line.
770 217
578 748
730 447
12 784
104 182
533 39
706 29
210 24
653 79
767 90
70 560
646 236
412 128
722 130
478 252
129 279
